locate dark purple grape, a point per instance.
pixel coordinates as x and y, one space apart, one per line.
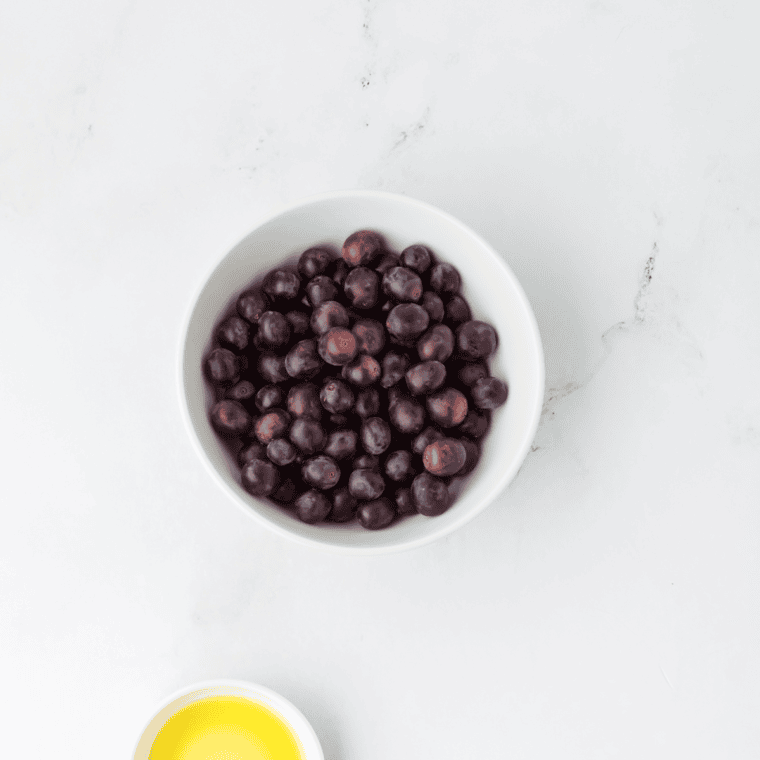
321 472
471 373
361 287
387 262
281 452
366 484
402 284
327 315
444 278
375 435
312 507
457 310
307 434
366 462
343 506
272 368
433 305
425 438
303 361
472 450
259 477
303 401
407 321
405 502
336 396
241 391
406 415
282 285
222 367
321 289
233 333
476 340
360 248
489 393
374 515
370 336
416 257
250 452
273 424
447 408
251 305
437 344
475 425
268 396
430 494
230 418
341 272
425 377
313 262
398 466
394 368
341 444
395 394
443 458
274 329
367 403
299 322
362 371
338 346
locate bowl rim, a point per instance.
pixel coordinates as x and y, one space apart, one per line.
306 731
506 476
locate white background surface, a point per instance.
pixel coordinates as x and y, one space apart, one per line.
606 605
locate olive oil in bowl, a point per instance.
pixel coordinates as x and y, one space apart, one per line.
226 727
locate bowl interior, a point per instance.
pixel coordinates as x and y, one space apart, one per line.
269 699
494 296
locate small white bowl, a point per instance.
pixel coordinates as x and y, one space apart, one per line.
494 295
293 718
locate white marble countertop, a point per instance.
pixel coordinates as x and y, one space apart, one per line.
607 604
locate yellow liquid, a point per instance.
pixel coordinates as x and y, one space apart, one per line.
226 728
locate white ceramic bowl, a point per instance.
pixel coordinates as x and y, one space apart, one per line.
269 699
494 295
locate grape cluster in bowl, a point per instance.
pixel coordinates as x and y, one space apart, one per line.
354 386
